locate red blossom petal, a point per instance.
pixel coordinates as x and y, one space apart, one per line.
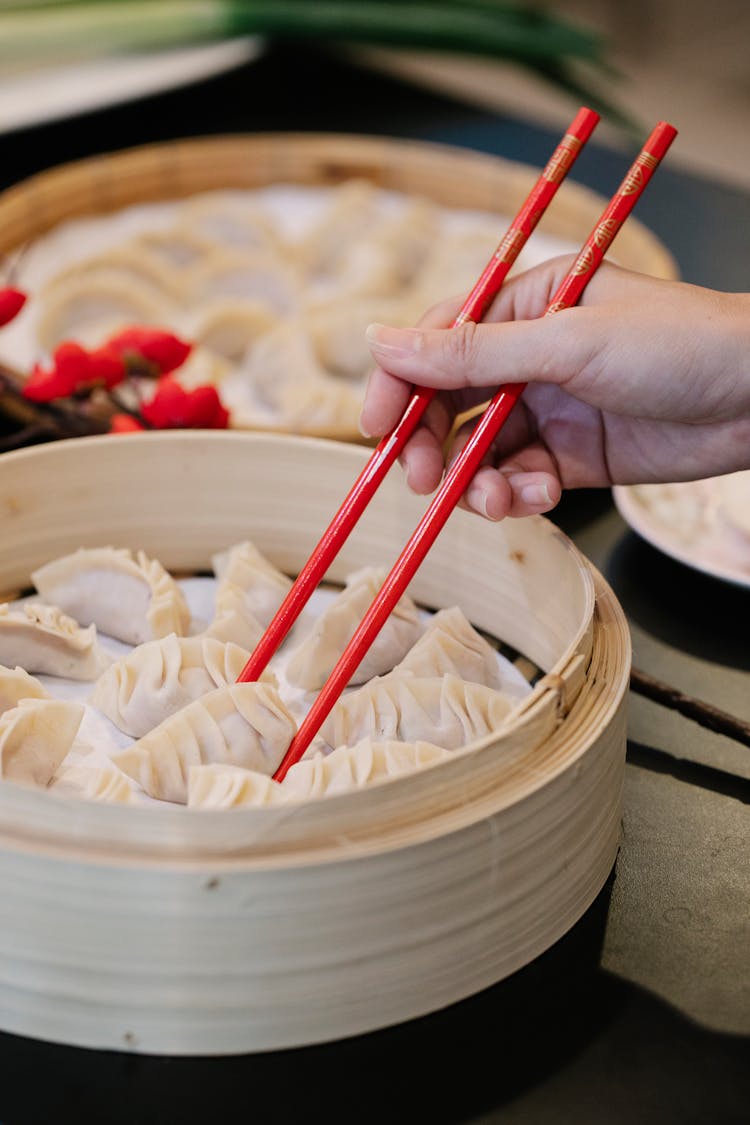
72 365
124 424
70 372
11 303
172 407
163 349
209 409
107 366
41 385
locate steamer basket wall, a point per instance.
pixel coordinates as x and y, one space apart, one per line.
185 932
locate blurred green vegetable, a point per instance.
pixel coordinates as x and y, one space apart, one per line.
40 32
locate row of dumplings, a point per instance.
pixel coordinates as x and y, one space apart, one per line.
277 315
201 738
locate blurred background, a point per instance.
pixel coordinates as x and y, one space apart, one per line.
684 60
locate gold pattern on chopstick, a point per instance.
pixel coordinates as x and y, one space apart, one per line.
558 306
583 262
561 159
606 231
464 318
635 179
510 247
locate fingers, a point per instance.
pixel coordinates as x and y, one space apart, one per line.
523 482
386 395
495 494
515 343
385 401
551 349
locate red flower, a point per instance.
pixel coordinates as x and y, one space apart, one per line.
107 366
172 407
74 369
159 348
11 303
124 424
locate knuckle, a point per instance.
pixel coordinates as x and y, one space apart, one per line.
460 345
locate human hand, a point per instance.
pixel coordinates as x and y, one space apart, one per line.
644 380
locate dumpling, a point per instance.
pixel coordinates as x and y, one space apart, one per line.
243 724
456 260
227 787
243 568
451 645
160 677
323 775
351 212
35 736
282 381
337 331
230 220
78 303
230 328
234 621
132 599
102 784
135 265
42 639
257 277
447 712
313 660
353 767
15 685
177 248
409 237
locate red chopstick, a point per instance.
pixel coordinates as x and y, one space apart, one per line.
371 477
469 460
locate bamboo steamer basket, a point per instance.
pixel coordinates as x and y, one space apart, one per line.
451 177
179 931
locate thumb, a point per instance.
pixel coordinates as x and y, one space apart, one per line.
551 349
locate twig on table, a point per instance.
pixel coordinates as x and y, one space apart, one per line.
31 421
705 714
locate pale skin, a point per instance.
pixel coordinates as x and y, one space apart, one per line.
643 381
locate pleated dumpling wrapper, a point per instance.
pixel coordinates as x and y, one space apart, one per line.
234 621
95 784
446 711
42 639
15 685
451 644
242 568
130 598
313 660
160 677
35 736
243 725
322 775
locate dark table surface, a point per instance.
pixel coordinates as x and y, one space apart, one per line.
641 1013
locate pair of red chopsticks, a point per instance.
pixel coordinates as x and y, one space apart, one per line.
457 479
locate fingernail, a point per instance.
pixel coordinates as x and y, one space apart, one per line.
365 432
392 341
477 499
536 496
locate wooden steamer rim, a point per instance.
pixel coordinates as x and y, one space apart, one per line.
397 879
450 176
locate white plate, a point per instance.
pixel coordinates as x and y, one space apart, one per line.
691 522
50 94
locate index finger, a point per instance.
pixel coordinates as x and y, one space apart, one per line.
387 395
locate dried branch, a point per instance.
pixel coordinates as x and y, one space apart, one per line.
705 714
